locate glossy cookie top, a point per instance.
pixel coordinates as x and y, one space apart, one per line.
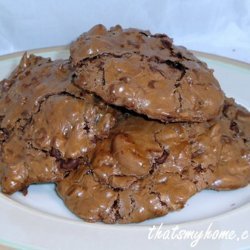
47 125
234 166
145 73
144 169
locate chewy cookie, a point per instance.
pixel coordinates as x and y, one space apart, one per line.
47 124
234 166
144 169
145 73
172 134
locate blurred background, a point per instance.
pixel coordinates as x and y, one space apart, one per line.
218 27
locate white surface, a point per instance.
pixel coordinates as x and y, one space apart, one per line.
219 27
44 198
41 220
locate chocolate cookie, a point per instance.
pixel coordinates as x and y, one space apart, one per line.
234 166
47 125
145 73
143 170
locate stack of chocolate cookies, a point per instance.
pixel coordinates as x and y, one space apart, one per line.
129 128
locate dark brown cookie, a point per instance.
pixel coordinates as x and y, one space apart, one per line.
146 169
146 73
143 170
23 165
34 80
152 197
47 125
234 166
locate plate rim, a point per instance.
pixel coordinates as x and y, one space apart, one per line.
37 212
137 226
58 48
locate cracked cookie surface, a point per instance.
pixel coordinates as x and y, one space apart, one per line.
234 165
145 73
144 169
47 124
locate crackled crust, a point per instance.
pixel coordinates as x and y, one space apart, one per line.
138 147
234 166
145 73
47 125
118 166
144 169
34 80
151 197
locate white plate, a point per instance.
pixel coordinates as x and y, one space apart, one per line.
40 220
